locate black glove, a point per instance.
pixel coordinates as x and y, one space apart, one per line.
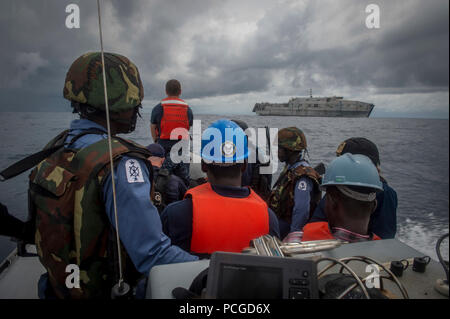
196 288
320 168
11 226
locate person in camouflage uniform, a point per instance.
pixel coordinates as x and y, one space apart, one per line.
296 192
70 193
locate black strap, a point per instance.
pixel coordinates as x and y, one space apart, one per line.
320 168
9 225
34 159
27 163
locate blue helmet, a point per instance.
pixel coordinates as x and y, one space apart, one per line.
224 142
352 170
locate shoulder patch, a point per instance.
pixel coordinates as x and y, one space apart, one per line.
134 171
302 185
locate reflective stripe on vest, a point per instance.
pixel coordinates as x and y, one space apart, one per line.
321 230
316 231
222 223
175 115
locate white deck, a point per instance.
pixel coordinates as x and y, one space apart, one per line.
20 279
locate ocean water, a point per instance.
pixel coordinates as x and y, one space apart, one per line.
414 156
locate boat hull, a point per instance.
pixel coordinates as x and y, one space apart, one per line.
315 107
315 113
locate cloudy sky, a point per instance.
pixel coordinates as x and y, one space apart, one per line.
229 55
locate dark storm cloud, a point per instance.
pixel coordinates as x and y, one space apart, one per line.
412 56
226 48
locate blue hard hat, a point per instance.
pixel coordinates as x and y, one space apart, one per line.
352 170
224 142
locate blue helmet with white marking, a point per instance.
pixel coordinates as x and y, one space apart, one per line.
224 142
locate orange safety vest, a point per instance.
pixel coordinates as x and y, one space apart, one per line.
222 223
175 115
320 231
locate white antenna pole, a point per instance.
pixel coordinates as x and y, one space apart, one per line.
110 149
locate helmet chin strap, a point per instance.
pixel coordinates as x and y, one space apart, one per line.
124 124
121 289
304 155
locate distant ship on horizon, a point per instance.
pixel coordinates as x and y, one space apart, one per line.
334 106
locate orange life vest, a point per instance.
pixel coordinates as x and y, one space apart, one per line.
320 231
222 223
175 115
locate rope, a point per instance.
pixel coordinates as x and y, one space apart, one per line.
110 148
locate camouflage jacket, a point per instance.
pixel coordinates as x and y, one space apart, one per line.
65 198
281 199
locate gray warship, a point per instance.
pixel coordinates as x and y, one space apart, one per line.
334 106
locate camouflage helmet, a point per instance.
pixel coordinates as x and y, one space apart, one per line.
291 138
84 82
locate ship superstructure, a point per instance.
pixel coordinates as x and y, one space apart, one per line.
334 106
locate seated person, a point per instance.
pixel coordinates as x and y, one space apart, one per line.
351 182
168 188
220 214
383 221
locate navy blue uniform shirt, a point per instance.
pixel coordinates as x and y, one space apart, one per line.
174 189
383 221
177 217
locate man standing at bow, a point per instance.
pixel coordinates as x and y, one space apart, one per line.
170 122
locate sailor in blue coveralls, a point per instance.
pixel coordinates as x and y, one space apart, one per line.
224 184
383 220
169 188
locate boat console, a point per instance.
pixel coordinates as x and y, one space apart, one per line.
306 275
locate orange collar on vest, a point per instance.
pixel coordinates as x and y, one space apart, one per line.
321 230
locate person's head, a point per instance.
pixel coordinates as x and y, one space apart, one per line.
360 145
84 88
224 152
241 124
173 88
351 182
291 142
158 154
342 210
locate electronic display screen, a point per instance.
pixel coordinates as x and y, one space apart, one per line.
255 282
